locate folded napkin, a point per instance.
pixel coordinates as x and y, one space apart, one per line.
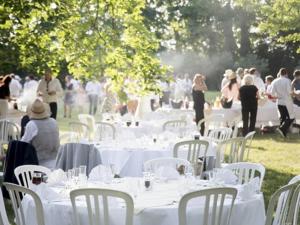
45 192
100 173
167 172
248 190
56 177
225 175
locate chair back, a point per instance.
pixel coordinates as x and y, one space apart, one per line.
247 171
80 131
220 134
8 131
283 205
3 214
97 205
174 124
297 214
15 193
212 121
153 164
248 142
104 131
88 120
24 174
213 210
234 147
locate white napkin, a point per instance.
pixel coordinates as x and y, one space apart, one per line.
56 177
225 175
167 172
100 173
45 192
248 190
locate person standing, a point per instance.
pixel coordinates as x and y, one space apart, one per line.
199 87
93 90
4 95
69 96
281 87
296 87
187 86
15 87
257 81
50 89
248 94
231 90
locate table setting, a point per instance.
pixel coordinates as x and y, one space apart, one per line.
155 196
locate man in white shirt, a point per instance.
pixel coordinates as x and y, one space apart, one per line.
93 89
15 87
187 86
281 88
42 132
257 81
30 84
50 89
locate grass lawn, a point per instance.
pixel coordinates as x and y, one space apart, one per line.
280 157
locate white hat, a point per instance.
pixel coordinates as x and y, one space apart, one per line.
39 110
229 74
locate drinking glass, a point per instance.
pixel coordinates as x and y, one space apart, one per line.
37 178
82 174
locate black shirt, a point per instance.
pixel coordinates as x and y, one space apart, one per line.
198 98
248 96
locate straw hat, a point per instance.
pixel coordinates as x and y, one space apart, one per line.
229 74
39 110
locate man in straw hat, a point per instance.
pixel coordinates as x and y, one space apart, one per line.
42 132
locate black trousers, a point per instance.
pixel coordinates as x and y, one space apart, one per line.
199 116
53 109
285 120
246 115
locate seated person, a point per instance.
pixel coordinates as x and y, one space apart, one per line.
42 132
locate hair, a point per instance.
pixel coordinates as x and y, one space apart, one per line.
197 75
252 71
269 78
239 71
283 72
7 79
247 79
296 73
232 82
31 77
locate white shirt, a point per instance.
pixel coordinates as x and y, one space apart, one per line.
52 85
281 87
15 88
187 85
93 88
31 132
259 83
31 85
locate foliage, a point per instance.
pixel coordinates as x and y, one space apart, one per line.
94 37
282 21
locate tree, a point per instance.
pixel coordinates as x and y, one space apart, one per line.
94 37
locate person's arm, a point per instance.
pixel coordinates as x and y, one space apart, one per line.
31 131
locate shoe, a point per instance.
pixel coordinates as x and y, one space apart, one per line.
281 133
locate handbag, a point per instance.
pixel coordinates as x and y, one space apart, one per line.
225 103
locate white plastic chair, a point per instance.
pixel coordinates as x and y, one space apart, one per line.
174 124
8 131
97 205
15 193
89 120
248 142
24 174
213 209
246 171
292 181
104 131
80 131
3 214
212 121
154 164
282 205
234 147
220 134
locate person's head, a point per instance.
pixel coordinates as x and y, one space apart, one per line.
247 80
240 72
39 110
68 78
246 71
282 72
296 74
186 76
232 79
252 71
48 74
269 79
31 77
228 73
198 79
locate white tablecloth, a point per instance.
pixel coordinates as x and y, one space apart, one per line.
158 206
129 156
